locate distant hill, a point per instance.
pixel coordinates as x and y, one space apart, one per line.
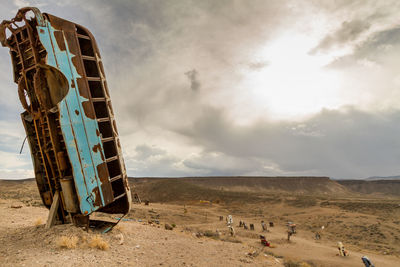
374 178
229 188
373 186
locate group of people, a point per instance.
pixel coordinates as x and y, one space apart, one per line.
291 230
229 223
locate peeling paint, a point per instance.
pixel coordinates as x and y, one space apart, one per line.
58 56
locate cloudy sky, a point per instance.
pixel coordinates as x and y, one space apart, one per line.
237 87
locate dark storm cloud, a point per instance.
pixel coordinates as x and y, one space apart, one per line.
147 46
345 143
348 32
192 76
153 161
220 164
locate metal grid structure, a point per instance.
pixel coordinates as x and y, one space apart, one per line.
68 117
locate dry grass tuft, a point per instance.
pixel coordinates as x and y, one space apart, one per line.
98 242
38 221
67 241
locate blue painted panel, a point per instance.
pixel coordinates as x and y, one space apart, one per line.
78 130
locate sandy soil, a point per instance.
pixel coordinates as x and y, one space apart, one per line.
366 226
131 243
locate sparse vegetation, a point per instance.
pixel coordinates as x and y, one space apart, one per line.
302 202
360 223
98 242
69 242
38 221
211 234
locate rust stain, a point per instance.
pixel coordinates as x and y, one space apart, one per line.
103 172
29 58
60 40
71 41
105 182
88 109
82 86
97 197
97 149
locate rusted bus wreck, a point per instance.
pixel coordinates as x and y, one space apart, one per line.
68 117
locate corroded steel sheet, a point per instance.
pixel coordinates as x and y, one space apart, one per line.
68 115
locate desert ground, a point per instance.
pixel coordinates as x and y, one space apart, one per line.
367 224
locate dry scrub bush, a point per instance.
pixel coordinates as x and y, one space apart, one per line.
98 242
67 242
212 234
38 221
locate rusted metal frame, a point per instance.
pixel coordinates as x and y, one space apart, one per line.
99 186
21 14
85 77
21 57
116 178
44 122
114 132
83 36
34 42
120 196
121 163
36 157
49 123
56 145
32 39
114 135
54 150
23 73
47 150
76 94
111 119
69 115
43 142
54 140
43 159
37 59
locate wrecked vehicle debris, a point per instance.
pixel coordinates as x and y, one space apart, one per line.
68 117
